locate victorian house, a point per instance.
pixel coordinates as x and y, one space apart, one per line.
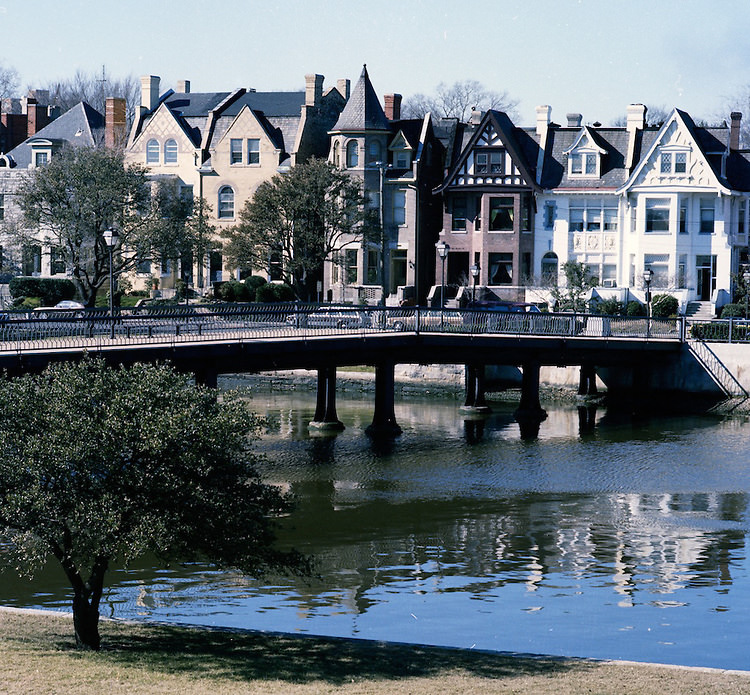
399 162
220 146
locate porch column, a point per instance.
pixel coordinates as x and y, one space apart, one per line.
325 417
475 403
384 418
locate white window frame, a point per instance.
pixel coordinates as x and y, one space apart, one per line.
658 205
225 210
170 151
398 206
590 164
673 162
153 151
235 151
253 152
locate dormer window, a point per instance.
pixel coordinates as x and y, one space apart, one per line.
584 163
402 159
673 163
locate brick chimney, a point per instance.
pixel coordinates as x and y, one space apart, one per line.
150 92
392 106
734 130
114 122
313 89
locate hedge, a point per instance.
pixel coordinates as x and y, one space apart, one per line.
49 290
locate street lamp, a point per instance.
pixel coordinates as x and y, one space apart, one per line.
648 276
442 249
474 274
111 237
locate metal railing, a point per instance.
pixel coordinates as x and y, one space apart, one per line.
733 330
60 329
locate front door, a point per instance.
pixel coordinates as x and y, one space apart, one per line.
705 268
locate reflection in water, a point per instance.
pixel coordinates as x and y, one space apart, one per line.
600 536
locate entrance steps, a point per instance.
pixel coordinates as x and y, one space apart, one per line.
699 311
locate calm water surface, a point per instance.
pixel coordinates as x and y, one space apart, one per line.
606 536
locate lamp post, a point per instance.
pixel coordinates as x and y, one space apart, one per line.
648 276
474 274
442 250
746 278
111 237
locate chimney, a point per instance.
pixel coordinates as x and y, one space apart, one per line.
183 87
150 92
313 89
543 117
636 119
114 122
36 116
392 106
344 87
574 120
476 116
734 130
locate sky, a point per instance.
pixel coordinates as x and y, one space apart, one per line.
592 57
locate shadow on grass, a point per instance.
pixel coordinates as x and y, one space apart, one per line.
249 656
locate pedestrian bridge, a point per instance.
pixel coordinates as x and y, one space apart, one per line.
211 340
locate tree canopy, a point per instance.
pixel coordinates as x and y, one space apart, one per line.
458 100
297 220
578 282
8 81
102 465
81 193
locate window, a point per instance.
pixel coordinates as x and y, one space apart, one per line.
352 154
549 268
41 158
575 220
350 259
253 151
275 266
143 265
673 162
707 216
215 266
337 154
595 216
152 152
501 214
56 261
32 259
170 152
235 151
399 207
489 162
374 152
526 206
402 159
657 215
549 215
740 216
659 263
373 266
501 268
683 217
226 202
583 163
458 221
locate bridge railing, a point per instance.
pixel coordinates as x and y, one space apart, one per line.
733 330
69 329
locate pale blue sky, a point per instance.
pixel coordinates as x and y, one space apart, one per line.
587 56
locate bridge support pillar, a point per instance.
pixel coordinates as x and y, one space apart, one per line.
587 381
325 417
530 413
475 403
384 418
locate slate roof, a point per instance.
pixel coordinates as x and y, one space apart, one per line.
81 126
363 110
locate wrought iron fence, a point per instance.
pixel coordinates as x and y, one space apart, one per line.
731 330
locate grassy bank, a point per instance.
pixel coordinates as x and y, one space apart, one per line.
37 655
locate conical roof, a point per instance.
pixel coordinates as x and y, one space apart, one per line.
363 110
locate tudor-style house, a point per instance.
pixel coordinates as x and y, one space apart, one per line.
399 162
220 146
489 204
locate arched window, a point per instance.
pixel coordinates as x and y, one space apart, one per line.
549 268
226 202
170 152
337 154
352 154
152 152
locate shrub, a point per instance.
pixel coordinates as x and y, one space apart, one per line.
610 307
272 292
254 282
234 291
49 290
664 305
729 311
635 309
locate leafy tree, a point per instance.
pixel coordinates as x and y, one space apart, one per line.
457 101
610 307
664 305
578 282
300 219
8 81
81 193
100 466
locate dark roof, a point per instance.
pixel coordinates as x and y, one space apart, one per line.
80 126
363 110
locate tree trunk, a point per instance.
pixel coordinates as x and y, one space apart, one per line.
85 623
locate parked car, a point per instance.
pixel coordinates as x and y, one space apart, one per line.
429 319
65 309
331 317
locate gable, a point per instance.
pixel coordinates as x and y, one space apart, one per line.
245 125
161 126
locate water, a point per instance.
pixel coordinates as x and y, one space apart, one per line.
606 536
